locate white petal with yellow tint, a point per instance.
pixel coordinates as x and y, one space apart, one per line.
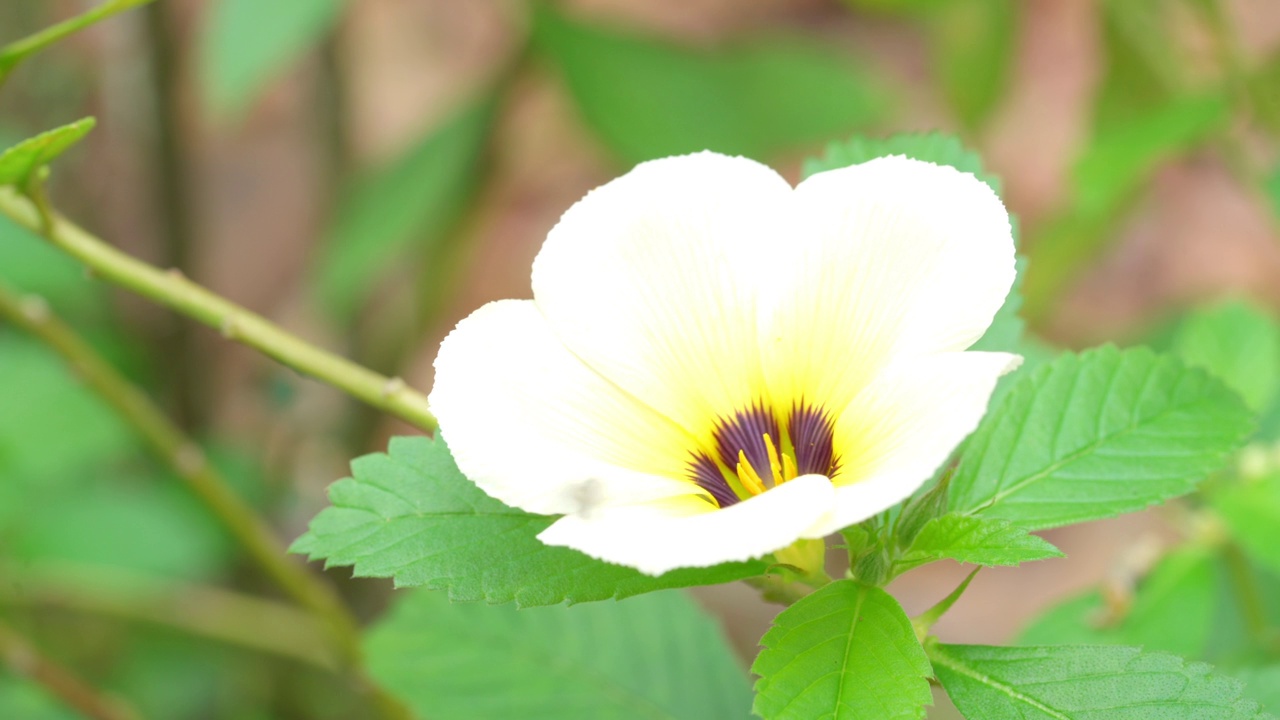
652 280
893 257
898 431
689 532
537 429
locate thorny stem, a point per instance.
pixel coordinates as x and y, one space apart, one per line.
173 290
24 660
185 458
15 52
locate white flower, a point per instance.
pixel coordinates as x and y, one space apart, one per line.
716 364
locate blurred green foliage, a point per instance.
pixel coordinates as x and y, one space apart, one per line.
76 488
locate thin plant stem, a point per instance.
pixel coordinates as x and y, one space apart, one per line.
241 620
173 290
186 459
14 53
23 659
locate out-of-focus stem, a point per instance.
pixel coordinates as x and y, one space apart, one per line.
14 53
173 207
185 458
24 660
208 612
174 291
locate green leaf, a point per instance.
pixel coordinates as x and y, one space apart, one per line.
1240 344
1172 610
978 541
1066 682
411 515
847 651
410 205
1096 435
1261 684
1123 156
647 98
1251 509
972 42
658 656
19 162
247 44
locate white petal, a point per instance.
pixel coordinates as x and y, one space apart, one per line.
903 426
889 258
688 532
537 429
652 281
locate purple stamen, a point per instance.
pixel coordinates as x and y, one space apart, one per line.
708 476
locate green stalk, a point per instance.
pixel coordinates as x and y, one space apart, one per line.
171 289
23 659
265 626
14 53
186 459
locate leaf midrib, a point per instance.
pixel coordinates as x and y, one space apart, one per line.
1053 467
940 657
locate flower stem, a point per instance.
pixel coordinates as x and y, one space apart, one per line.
24 660
925 621
173 290
17 51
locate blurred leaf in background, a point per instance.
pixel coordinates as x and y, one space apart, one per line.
972 47
1238 342
649 98
406 208
247 44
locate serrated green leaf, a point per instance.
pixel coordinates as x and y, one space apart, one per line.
411 515
978 541
1251 510
19 162
1240 344
1064 682
847 651
658 656
1096 435
647 98
248 43
408 206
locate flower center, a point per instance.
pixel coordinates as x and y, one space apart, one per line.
757 449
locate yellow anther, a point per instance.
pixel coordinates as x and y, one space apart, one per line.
789 469
747 475
775 465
